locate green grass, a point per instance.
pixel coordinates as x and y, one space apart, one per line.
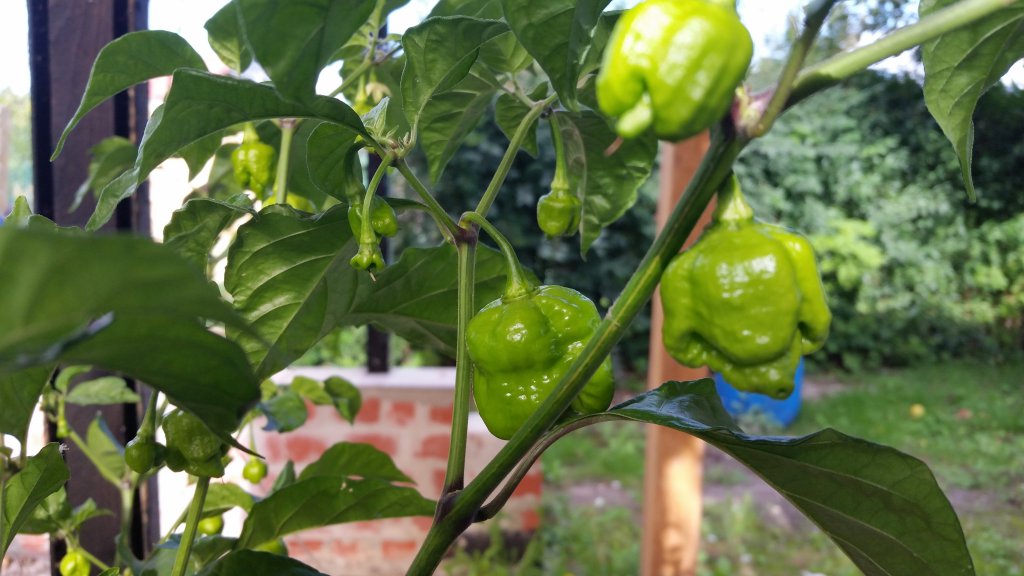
971 433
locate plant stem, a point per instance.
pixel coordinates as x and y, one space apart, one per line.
449 229
813 22
517 285
195 511
454 477
94 560
561 179
510 154
366 235
281 184
353 76
842 66
717 164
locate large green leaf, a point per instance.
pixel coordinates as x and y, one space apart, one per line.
290 277
42 475
960 66
329 160
19 392
226 38
109 158
105 452
882 507
102 391
607 184
253 563
123 304
510 111
449 117
200 104
351 460
558 34
195 227
327 500
128 60
302 38
438 55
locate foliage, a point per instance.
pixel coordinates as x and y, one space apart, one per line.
926 277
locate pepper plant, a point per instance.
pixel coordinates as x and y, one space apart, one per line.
305 222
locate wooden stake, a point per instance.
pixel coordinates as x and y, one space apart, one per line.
674 462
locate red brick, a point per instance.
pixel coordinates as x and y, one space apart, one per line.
383 443
272 448
402 413
399 548
302 448
441 414
530 519
342 548
370 411
302 545
366 526
423 522
532 483
435 446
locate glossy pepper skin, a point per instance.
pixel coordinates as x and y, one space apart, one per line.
74 563
745 300
143 454
382 217
673 65
523 345
192 447
255 470
558 213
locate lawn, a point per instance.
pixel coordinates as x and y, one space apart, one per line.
964 420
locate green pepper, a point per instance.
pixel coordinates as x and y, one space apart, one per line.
192 447
254 470
74 563
142 454
524 342
382 217
559 211
746 300
253 162
673 65
211 525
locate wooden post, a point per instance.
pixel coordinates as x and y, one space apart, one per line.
64 38
674 462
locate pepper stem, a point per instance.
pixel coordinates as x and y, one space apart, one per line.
148 427
561 180
518 285
249 133
366 234
732 207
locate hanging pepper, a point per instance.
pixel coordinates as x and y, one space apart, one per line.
559 211
369 257
524 342
253 162
673 65
745 300
192 447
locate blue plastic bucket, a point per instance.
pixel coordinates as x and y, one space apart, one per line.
781 412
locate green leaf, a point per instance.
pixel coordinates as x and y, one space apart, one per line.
221 183
289 275
502 53
110 158
285 412
111 572
123 304
223 496
200 104
62 383
302 39
227 40
86 511
327 500
43 474
345 396
104 450
960 66
311 390
49 515
558 34
349 460
285 478
195 227
128 60
606 184
509 113
328 161
198 153
19 392
882 507
439 54
253 563
449 117
101 391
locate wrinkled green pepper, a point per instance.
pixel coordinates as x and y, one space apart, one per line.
673 65
523 343
192 447
745 300
254 163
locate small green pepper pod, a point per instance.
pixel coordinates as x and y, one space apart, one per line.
254 163
673 65
745 300
192 447
558 213
383 219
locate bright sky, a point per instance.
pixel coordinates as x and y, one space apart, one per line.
766 20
